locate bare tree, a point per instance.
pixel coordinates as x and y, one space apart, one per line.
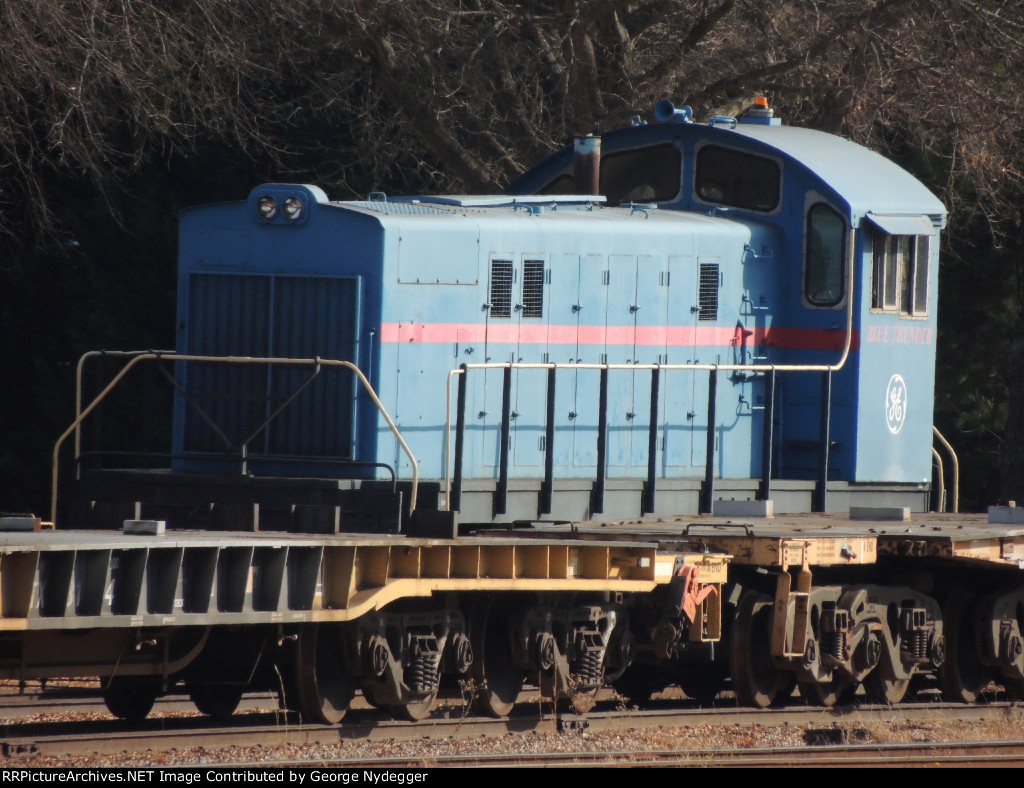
469 92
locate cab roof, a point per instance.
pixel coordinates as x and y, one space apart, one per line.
869 183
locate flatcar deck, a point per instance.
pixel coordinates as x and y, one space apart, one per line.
140 605
834 538
79 579
82 579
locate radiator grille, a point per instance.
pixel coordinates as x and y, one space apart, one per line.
266 316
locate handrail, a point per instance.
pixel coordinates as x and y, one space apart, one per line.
137 356
843 358
773 368
956 467
690 367
78 378
942 482
153 455
446 450
506 365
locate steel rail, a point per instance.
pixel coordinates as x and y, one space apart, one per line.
164 734
890 755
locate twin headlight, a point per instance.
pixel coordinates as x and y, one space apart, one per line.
291 208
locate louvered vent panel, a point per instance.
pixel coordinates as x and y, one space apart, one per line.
707 295
501 288
533 288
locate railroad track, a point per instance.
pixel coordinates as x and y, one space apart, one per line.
828 733
989 754
15 707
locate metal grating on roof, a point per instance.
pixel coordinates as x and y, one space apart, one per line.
397 208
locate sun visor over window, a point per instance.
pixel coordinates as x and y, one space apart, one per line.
902 225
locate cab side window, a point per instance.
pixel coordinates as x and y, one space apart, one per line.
899 280
823 256
651 174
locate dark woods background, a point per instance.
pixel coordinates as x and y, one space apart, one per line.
115 114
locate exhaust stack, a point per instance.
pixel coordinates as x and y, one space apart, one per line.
587 165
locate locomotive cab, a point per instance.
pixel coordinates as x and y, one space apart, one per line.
841 271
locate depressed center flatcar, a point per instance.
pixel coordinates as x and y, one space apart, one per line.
660 414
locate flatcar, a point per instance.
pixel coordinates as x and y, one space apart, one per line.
660 413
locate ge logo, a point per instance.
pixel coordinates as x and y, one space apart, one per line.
895 404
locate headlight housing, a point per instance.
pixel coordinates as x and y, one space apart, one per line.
284 204
292 208
267 207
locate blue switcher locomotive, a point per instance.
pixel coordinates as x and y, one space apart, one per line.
687 330
659 414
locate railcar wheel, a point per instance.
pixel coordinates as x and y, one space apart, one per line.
130 698
413 711
637 685
1014 688
369 688
961 676
829 693
701 686
755 679
325 689
498 682
216 700
882 690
